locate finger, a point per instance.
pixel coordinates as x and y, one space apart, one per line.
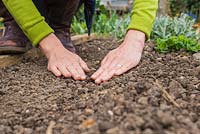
104 60
80 71
55 71
108 62
122 70
97 73
98 81
105 76
106 67
114 66
103 68
104 63
68 74
84 65
64 71
74 72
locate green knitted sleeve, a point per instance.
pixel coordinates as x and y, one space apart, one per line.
29 19
143 15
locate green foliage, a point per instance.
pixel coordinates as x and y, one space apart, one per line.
78 27
1 24
186 6
113 25
175 43
105 23
165 27
173 34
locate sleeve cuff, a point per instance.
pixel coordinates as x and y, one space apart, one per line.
137 24
143 15
39 32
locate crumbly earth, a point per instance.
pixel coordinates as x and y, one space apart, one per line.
33 101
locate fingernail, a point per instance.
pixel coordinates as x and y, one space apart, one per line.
83 77
92 77
97 81
78 77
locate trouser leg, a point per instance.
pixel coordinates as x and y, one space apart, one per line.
42 8
61 12
60 15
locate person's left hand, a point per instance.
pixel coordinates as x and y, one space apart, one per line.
121 59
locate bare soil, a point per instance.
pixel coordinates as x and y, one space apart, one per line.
33 101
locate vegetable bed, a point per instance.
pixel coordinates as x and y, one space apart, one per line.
160 96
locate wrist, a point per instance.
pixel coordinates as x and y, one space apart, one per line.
136 35
135 38
49 44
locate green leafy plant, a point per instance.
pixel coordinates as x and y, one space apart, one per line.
165 27
1 27
173 34
113 25
175 43
78 27
105 23
1 22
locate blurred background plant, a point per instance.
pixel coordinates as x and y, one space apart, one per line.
165 27
106 22
2 29
191 7
1 22
112 23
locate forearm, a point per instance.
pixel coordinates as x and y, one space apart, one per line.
143 15
29 19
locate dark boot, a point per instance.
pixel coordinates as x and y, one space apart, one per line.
65 37
60 15
13 41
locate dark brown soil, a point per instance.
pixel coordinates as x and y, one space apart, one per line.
33 101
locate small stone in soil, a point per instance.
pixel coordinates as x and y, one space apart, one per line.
87 123
196 56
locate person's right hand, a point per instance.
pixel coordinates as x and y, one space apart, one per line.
61 61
